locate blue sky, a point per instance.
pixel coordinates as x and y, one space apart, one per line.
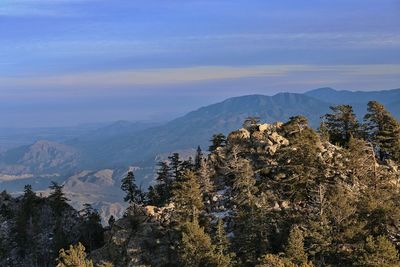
72 61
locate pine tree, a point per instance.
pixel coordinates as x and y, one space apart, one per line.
175 166
57 198
187 197
133 193
75 256
383 130
198 158
196 248
91 228
341 125
295 246
379 252
160 193
24 219
203 175
270 260
250 229
218 140
222 252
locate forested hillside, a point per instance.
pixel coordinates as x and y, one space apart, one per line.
281 194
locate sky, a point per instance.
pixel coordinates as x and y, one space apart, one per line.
66 62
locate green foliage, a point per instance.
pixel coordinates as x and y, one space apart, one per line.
91 228
341 124
175 166
218 140
57 198
187 197
295 246
75 256
133 193
383 130
271 260
379 252
160 194
222 252
196 248
198 158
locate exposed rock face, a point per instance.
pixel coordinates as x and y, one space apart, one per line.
140 238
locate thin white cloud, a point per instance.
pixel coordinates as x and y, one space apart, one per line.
192 74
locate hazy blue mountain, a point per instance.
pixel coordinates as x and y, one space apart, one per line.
16 137
42 157
143 147
139 144
93 163
359 99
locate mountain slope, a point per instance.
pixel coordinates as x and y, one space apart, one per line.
40 157
198 126
359 99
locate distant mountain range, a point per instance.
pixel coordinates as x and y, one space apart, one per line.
122 144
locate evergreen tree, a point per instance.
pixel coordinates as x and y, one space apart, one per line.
379 252
341 125
295 246
175 166
198 158
187 197
218 140
222 252
25 219
91 228
57 198
75 256
133 193
270 260
295 125
160 193
196 248
250 230
203 175
187 165
383 130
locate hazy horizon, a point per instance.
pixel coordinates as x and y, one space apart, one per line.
83 61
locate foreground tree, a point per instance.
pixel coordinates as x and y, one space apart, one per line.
133 193
379 252
295 247
187 197
57 197
196 248
75 256
218 140
341 125
383 130
91 228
